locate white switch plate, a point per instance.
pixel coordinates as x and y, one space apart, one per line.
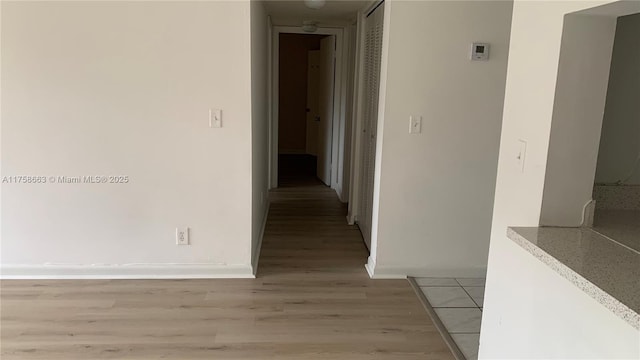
522 153
182 236
215 118
415 124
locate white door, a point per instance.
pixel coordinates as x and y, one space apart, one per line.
313 112
372 57
325 96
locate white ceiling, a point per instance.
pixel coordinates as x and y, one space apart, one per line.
293 12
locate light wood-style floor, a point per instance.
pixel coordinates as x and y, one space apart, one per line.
312 300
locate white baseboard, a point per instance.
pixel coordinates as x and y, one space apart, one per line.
137 271
255 257
376 272
126 271
338 190
351 219
402 272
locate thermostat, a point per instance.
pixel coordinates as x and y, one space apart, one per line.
479 51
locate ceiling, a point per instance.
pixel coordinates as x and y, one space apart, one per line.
293 12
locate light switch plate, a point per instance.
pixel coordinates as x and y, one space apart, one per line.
415 124
522 153
215 118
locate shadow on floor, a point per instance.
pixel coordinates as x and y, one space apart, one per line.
297 170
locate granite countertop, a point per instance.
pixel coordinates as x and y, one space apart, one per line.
623 226
603 268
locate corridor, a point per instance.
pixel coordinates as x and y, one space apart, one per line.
331 308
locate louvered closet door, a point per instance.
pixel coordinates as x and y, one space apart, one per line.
372 56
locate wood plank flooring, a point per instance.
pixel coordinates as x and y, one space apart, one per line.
312 300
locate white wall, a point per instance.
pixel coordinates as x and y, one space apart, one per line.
124 88
435 189
550 318
259 124
529 102
620 142
581 90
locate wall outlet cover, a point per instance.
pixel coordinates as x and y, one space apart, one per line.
182 236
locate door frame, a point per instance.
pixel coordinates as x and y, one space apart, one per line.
339 96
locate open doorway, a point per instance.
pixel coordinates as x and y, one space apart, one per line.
306 76
311 90
309 71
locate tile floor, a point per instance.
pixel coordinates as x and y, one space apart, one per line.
458 303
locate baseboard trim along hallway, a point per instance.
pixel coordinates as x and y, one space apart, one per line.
377 271
255 257
126 271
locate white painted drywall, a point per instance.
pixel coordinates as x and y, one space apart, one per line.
124 88
435 190
548 317
620 141
581 90
529 100
259 124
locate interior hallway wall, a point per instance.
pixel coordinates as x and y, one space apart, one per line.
259 125
127 95
436 188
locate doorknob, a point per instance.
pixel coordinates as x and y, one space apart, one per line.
317 118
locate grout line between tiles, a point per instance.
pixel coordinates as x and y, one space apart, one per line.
472 299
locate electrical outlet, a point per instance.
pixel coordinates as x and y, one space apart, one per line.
182 236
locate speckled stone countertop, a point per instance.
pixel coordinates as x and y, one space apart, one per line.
623 226
602 268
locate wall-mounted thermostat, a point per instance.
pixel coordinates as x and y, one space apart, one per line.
479 51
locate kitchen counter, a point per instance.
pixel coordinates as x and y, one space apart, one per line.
622 226
606 270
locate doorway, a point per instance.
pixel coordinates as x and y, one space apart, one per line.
308 106
306 76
